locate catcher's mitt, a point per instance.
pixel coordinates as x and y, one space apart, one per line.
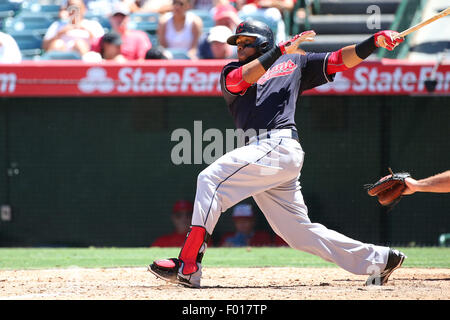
388 189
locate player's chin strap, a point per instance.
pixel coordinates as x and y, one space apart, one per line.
193 249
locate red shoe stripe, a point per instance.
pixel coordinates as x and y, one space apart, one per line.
165 263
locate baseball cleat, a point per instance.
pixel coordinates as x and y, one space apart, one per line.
394 262
169 270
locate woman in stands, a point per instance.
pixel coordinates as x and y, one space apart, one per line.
180 29
72 32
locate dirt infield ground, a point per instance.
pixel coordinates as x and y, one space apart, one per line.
222 284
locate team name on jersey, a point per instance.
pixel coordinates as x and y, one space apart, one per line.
278 70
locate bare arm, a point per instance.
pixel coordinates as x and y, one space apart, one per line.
197 28
382 39
349 56
252 71
162 32
47 42
439 183
279 4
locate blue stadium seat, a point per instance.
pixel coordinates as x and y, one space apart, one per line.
34 6
260 17
153 39
144 16
145 21
178 54
37 21
29 43
103 20
207 18
60 55
7 5
7 9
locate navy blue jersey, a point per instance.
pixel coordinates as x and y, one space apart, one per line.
270 103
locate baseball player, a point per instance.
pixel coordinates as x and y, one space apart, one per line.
261 91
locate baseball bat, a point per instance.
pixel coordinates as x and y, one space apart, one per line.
439 15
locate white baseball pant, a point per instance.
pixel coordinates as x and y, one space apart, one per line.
268 170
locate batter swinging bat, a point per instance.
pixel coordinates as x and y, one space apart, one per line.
442 14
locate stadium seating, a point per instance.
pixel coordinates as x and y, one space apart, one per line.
205 15
178 54
36 21
431 42
257 15
29 43
153 39
339 23
35 6
145 21
103 20
7 10
60 55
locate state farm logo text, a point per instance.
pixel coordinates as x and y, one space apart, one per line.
129 79
372 80
8 82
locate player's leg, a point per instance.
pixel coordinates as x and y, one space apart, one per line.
287 214
235 176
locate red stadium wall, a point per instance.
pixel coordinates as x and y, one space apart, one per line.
200 78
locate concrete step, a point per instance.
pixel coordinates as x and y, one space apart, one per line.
351 24
357 6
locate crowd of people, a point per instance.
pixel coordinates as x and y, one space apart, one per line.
244 218
179 28
244 233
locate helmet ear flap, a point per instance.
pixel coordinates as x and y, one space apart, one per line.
264 46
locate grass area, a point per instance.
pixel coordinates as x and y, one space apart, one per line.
42 258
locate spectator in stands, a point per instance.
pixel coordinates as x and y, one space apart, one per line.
157 54
72 32
271 9
135 43
9 50
245 234
203 4
304 8
105 7
213 45
110 47
181 219
225 15
180 29
158 6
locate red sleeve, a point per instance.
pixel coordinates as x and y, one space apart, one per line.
335 62
234 81
95 44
